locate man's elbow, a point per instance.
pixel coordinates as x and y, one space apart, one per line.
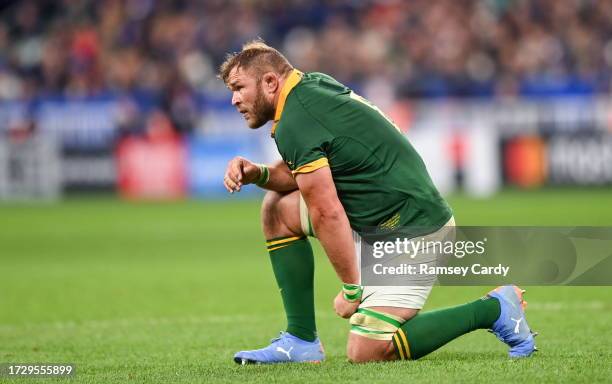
327 213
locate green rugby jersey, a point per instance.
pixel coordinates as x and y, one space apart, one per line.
380 179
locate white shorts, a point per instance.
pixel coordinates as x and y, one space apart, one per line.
387 296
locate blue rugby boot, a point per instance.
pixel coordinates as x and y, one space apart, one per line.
284 349
512 327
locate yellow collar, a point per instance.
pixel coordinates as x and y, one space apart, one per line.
292 80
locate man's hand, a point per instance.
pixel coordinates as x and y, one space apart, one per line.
239 172
343 307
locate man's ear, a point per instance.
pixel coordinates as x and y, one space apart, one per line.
270 82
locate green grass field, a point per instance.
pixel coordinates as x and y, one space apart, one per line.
154 292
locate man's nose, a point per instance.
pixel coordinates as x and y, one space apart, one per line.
235 98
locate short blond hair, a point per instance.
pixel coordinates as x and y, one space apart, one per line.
258 55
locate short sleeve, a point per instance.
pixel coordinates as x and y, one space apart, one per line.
302 141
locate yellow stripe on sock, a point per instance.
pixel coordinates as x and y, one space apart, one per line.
282 241
406 345
279 247
399 347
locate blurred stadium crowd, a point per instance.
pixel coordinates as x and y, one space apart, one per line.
168 49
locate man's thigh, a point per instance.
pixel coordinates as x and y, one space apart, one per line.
396 294
384 309
400 297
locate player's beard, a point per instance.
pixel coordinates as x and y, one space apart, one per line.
263 110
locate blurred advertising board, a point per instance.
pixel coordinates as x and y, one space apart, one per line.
82 131
152 168
580 159
84 124
88 170
29 168
476 146
173 168
207 158
458 142
479 146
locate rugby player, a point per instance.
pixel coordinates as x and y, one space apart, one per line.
346 167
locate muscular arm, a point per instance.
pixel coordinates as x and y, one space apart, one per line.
330 222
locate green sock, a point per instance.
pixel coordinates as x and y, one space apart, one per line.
293 265
428 331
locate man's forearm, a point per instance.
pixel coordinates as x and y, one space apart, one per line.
281 179
334 234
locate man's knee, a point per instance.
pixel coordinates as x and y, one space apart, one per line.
269 210
365 345
362 350
359 355
278 216
354 355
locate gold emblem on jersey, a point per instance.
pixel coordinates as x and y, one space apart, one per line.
391 223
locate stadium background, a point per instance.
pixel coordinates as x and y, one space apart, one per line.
110 114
